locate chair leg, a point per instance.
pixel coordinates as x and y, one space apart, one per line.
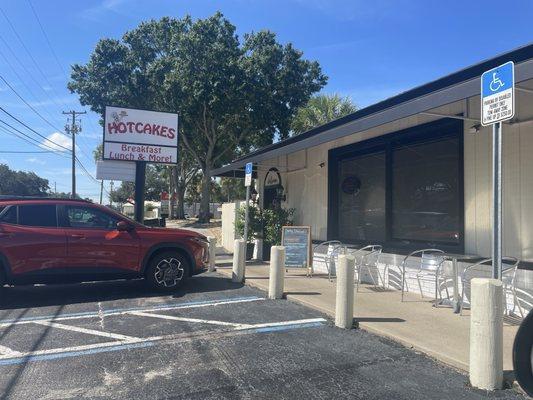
461 304
420 287
436 291
403 282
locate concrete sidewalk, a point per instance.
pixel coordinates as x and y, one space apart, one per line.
415 323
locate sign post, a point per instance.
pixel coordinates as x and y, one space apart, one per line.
141 136
497 105
247 182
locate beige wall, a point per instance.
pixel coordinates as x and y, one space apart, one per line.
517 191
306 185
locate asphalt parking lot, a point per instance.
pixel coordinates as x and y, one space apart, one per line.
212 339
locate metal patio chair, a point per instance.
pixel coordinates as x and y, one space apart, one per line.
327 253
483 269
367 259
429 268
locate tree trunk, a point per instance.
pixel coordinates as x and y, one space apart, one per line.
204 214
180 200
173 189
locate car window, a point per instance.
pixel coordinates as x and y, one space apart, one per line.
86 217
8 216
38 215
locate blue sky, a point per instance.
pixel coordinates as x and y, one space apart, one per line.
370 50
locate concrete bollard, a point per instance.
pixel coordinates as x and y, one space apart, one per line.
277 272
345 291
239 260
212 252
486 334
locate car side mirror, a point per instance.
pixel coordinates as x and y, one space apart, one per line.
123 226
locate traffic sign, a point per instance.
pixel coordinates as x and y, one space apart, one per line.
497 94
248 174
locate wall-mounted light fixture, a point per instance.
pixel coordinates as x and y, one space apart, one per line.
474 128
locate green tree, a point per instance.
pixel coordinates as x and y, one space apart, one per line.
155 184
232 95
319 110
20 183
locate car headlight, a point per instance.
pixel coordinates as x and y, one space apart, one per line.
202 240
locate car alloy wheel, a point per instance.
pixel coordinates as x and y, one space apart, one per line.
168 272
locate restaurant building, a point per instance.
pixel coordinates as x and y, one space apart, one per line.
410 172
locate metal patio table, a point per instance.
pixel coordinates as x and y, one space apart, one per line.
455 258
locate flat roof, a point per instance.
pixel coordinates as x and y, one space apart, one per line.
459 85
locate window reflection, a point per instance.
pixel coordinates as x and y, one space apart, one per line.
425 191
362 197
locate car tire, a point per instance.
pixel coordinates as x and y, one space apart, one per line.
522 356
167 271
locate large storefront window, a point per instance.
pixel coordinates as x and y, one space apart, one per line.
362 197
403 190
425 191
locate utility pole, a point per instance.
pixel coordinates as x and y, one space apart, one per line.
72 130
111 184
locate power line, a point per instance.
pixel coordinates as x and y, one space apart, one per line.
24 152
28 138
31 129
14 70
27 51
46 37
28 104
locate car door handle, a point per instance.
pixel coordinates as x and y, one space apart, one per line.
77 236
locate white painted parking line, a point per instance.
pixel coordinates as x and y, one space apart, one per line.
49 354
9 352
65 349
283 323
194 320
128 311
88 331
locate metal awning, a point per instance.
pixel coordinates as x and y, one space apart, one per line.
420 100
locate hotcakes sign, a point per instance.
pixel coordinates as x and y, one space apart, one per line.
140 135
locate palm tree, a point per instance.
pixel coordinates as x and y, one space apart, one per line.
319 110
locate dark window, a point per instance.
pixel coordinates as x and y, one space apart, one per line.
361 214
425 191
87 217
9 216
38 215
403 190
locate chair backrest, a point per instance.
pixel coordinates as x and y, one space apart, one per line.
329 249
427 259
368 255
431 260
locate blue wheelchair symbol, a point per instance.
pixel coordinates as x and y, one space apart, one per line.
497 79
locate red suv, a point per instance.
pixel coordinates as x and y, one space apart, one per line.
57 241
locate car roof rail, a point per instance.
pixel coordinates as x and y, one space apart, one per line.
7 197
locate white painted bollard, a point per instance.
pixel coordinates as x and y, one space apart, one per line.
239 260
212 252
486 334
345 291
277 272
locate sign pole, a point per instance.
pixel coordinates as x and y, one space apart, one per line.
497 200
497 105
246 214
140 180
248 170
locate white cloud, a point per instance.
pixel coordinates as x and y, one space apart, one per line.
94 13
57 141
35 160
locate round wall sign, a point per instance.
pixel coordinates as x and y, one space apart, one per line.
351 185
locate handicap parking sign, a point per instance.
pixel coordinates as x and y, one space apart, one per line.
497 94
248 174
